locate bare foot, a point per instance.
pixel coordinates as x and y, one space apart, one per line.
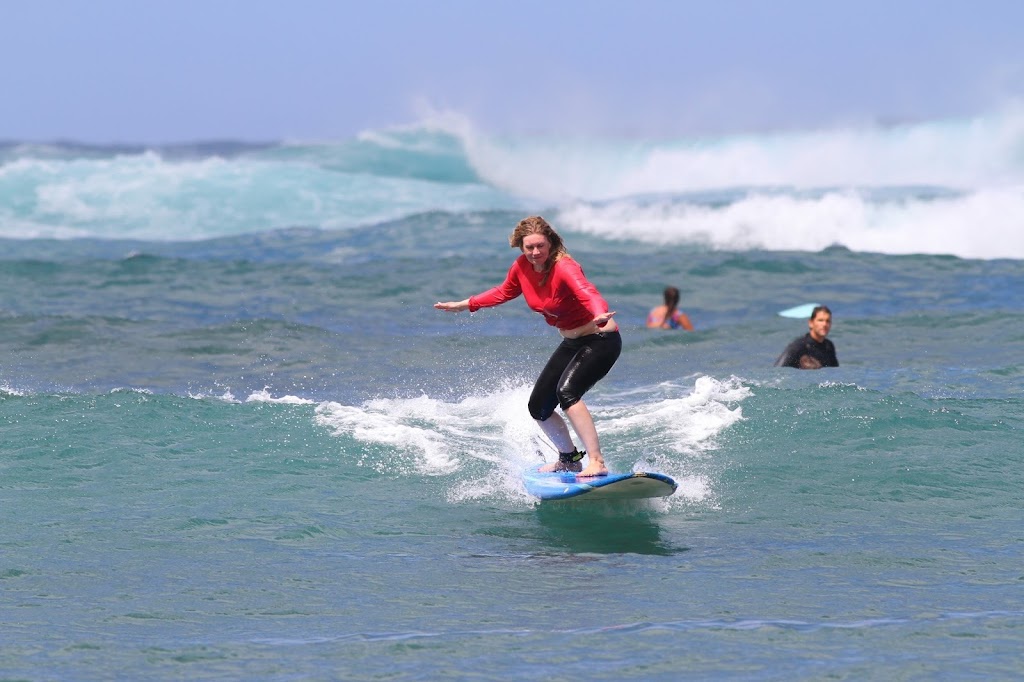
593 469
547 468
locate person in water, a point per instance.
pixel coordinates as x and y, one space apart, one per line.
812 350
553 284
668 316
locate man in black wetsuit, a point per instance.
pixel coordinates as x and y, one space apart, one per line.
812 350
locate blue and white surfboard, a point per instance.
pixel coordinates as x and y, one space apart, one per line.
565 486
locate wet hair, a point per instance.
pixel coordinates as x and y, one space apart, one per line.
819 309
671 303
537 225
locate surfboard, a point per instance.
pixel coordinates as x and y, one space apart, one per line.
800 312
564 485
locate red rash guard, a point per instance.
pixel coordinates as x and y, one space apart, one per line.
566 300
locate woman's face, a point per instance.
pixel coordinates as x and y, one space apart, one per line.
537 249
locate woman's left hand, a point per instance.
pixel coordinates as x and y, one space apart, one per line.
453 306
603 319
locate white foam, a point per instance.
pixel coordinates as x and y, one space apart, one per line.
264 396
227 396
435 437
128 389
967 154
145 196
443 436
982 224
677 434
802 190
805 191
686 424
438 436
6 389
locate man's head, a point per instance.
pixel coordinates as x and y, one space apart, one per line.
820 322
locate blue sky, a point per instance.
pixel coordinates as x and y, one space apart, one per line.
159 71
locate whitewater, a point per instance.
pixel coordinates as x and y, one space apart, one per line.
947 187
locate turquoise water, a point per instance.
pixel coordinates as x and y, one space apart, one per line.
239 443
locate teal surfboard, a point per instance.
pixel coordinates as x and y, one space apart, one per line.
566 486
800 312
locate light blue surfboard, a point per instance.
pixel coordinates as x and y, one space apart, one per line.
800 312
565 486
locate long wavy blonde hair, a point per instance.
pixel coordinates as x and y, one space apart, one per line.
537 225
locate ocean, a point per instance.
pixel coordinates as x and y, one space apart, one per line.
239 442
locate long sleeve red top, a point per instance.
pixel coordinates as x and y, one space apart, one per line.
566 300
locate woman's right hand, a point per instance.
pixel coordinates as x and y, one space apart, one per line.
453 306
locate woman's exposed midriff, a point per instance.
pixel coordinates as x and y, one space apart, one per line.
587 329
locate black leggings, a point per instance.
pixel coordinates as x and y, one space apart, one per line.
574 367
